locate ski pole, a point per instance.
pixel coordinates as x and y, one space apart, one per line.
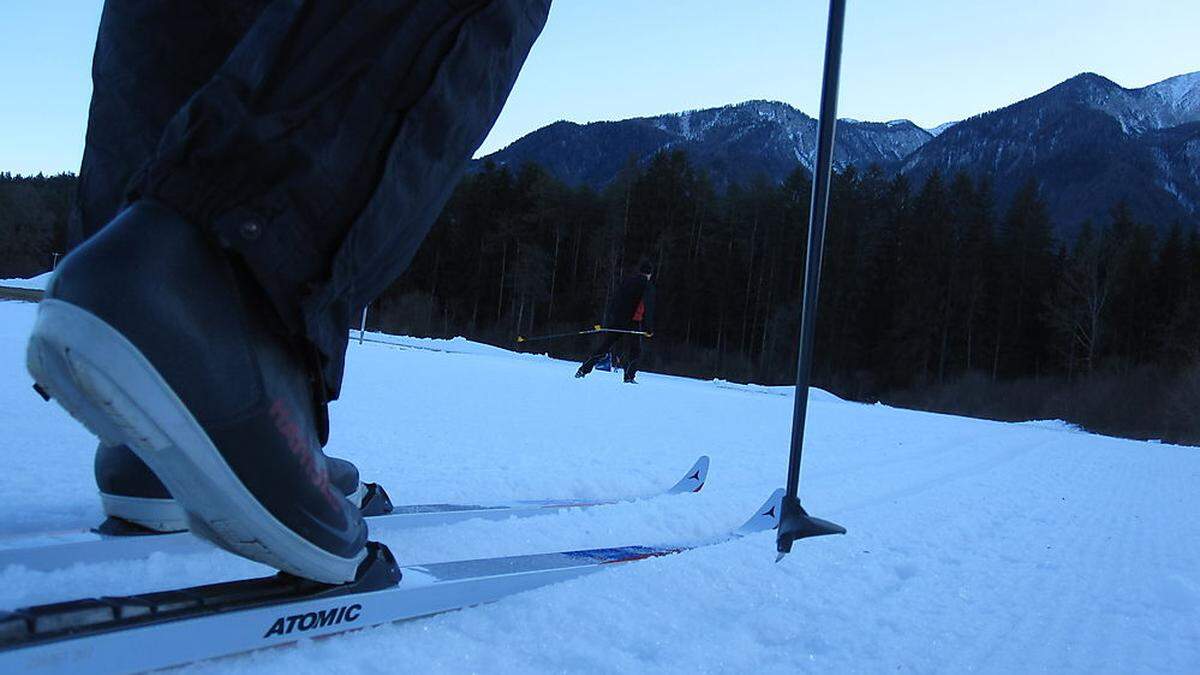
536 338
794 521
591 331
621 330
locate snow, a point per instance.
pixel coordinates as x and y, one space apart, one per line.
1180 93
937 131
1162 105
972 546
35 283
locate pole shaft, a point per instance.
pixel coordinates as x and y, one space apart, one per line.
816 234
590 331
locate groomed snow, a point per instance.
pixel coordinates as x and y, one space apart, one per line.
34 283
972 546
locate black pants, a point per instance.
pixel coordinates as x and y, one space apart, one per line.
316 140
631 353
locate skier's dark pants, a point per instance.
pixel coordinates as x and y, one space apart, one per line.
631 353
315 140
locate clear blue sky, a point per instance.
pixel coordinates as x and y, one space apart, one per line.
930 62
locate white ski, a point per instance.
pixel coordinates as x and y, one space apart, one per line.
57 550
159 630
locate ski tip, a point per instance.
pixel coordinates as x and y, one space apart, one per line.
693 480
766 517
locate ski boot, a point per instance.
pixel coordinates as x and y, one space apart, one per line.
136 502
155 338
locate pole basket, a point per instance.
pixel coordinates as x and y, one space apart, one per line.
795 523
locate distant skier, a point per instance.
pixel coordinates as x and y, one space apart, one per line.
630 308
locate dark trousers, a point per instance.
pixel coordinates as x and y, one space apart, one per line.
315 140
631 353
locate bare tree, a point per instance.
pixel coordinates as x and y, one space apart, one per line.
1076 307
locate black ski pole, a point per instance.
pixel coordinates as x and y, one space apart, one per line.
552 336
794 521
622 331
589 331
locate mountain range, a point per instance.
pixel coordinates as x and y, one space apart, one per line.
1088 141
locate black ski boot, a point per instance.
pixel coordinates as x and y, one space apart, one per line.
155 338
131 493
135 499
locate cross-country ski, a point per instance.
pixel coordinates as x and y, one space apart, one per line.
54 550
148 632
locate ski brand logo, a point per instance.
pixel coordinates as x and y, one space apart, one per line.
285 625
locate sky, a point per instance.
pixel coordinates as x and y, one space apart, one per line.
930 62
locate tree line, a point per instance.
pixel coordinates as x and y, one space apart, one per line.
33 221
933 296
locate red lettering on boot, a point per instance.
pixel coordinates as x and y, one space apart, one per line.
297 443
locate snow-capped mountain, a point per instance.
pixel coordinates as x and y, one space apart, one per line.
736 143
1089 142
1169 103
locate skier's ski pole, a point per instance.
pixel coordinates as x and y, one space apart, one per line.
794 522
621 330
590 331
552 336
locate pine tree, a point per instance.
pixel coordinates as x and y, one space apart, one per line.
1025 279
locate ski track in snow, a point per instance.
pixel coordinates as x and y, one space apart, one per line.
972 545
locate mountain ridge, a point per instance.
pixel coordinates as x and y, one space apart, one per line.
1084 138
1090 142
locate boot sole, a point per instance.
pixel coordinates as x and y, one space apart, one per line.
152 513
166 515
105 382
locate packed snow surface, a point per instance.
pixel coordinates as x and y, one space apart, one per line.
972 546
34 283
